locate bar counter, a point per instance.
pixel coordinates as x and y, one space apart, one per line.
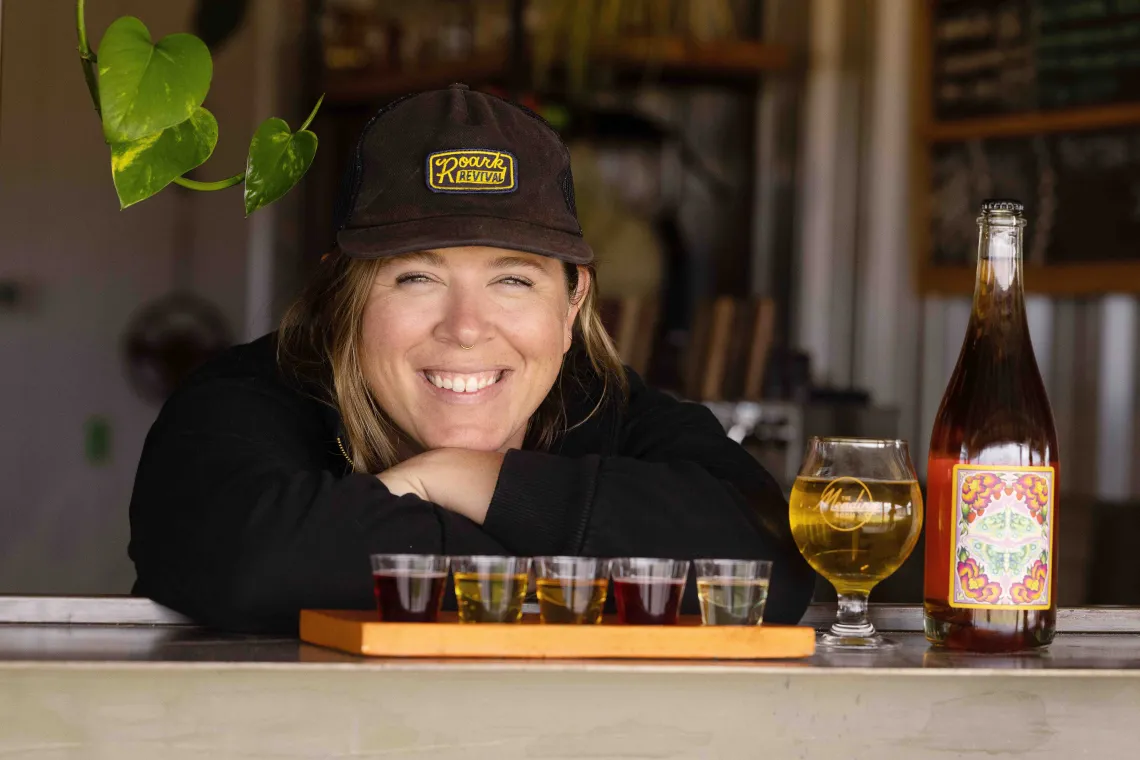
123 678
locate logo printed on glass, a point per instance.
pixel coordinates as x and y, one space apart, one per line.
1003 537
845 504
472 171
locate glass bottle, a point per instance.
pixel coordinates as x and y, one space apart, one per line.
992 477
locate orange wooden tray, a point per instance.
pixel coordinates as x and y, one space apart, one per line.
361 632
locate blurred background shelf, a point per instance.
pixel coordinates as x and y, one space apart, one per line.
727 58
1060 279
1037 122
365 85
672 60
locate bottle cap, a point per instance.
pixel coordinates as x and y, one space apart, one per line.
1002 204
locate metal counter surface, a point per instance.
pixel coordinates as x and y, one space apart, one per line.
96 690
1103 654
124 629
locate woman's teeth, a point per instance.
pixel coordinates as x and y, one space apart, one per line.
463 383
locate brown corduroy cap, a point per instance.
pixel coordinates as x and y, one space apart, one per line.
456 167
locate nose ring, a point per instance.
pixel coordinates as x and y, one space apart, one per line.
467 348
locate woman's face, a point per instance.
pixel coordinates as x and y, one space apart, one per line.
511 308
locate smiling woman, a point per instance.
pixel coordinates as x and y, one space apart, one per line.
437 324
442 385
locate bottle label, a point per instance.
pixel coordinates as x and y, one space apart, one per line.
1002 556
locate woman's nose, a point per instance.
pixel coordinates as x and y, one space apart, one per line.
465 318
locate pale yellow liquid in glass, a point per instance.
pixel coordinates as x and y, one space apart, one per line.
489 598
855 532
732 601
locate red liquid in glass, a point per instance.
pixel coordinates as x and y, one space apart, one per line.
648 601
409 598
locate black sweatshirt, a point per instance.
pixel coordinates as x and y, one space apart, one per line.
245 511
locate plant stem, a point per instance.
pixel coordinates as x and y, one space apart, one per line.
237 179
86 57
222 184
312 115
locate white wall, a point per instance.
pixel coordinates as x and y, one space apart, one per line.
86 267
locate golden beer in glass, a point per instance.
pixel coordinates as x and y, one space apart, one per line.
856 514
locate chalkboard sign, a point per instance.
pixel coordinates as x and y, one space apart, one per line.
1009 56
1081 192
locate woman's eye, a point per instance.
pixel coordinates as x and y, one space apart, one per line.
412 277
515 281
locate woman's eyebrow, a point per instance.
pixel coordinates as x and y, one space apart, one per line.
507 262
427 258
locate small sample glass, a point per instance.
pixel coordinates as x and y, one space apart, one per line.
648 590
732 591
490 589
409 587
571 589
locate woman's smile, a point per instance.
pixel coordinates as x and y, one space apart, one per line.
464 386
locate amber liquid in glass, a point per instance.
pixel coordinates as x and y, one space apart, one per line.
409 597
490 597
995 412
571 600
648 601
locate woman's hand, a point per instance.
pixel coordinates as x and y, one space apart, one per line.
459 480
403 479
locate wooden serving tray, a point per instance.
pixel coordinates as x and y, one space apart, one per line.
362 632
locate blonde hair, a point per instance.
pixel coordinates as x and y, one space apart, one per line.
319 342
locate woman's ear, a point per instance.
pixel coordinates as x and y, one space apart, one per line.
576 300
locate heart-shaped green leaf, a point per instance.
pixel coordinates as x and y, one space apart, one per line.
143 167
278 159
145 88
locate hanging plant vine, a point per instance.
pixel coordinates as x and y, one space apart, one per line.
149 98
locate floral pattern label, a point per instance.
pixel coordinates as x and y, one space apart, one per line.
1002 554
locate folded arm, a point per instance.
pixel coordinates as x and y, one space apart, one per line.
676 486
235 521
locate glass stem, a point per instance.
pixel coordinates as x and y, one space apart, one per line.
851 618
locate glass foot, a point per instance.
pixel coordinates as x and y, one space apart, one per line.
852 631
855 642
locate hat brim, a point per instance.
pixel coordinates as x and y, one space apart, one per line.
455 231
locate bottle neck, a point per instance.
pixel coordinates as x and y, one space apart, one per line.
998 290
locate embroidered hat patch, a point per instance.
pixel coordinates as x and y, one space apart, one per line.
472 171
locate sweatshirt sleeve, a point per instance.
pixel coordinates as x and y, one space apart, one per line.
677 487
236 522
